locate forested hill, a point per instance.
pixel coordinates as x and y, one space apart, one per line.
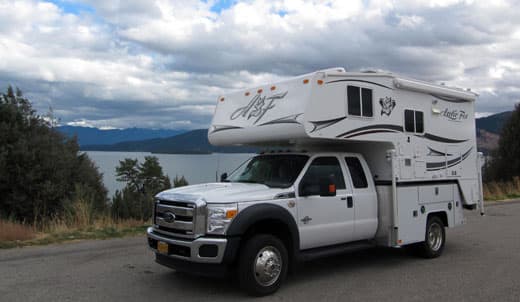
493 123
192 142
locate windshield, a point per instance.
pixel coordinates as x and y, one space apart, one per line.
278 171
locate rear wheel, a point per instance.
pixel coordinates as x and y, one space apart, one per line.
263 265
434 240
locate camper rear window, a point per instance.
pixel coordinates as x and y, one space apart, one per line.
359 101
413 121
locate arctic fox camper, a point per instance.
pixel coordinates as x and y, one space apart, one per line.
368 158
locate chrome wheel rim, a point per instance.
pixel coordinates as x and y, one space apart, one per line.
435 237
267 266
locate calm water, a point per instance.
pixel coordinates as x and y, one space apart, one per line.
195 168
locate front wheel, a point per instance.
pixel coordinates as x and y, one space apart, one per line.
263 265
434 240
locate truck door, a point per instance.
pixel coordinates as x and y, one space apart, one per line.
364 198
324 220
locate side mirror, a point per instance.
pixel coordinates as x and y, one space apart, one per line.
223 177
327 186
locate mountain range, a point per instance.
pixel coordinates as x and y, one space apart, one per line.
94 136
196 141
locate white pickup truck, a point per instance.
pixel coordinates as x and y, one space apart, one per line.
361 177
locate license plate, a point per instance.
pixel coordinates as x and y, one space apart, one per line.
162 247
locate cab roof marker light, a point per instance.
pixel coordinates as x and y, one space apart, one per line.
320 82
305 81
221 99
273 88
247 93
260 91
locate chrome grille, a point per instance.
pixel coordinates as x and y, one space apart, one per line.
185 218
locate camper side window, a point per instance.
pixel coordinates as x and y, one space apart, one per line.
413 121
359 101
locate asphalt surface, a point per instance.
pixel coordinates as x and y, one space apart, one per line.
481 262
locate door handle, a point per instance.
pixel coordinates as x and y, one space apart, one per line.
350 202
306 219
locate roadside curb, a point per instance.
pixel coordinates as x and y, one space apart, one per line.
501 202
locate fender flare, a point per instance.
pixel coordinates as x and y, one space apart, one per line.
258 212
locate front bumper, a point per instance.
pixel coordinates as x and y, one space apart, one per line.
200 250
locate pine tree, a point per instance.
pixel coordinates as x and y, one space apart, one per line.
506 160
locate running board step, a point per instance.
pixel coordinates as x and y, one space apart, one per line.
321 252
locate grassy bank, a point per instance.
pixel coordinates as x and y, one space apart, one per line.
79 223
14 234
502 190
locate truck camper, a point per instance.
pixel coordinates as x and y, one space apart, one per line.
367 158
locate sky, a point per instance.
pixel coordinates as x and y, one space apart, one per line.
162 64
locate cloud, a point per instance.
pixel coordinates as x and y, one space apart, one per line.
162 64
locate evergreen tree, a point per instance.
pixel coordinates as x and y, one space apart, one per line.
180 181
143 182
506 159
41 171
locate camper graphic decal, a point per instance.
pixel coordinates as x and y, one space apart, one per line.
435 166
291 119
318 125
454 115
387 105
257 107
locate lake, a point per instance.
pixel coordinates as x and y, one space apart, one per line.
196 168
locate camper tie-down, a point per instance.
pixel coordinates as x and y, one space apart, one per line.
369 158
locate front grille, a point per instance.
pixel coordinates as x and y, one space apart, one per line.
176 217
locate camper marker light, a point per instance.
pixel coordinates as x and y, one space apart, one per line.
273 88
247 93
320 82
305 81
259 91
222 99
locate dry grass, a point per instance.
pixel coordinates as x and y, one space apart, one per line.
79 223
12 231
502 190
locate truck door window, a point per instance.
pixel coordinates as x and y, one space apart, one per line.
324 167
359 101
359 179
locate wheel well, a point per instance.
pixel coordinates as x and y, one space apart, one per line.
276 228
442 215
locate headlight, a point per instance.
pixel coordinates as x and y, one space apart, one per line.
219 218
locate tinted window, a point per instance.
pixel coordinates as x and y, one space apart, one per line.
419 122
366 97
324 167
272 170
359 180
409 121
354 104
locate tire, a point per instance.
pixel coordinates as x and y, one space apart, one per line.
434 239
262 265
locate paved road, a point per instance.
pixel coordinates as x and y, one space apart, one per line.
481 262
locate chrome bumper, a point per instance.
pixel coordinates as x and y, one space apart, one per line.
193 246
